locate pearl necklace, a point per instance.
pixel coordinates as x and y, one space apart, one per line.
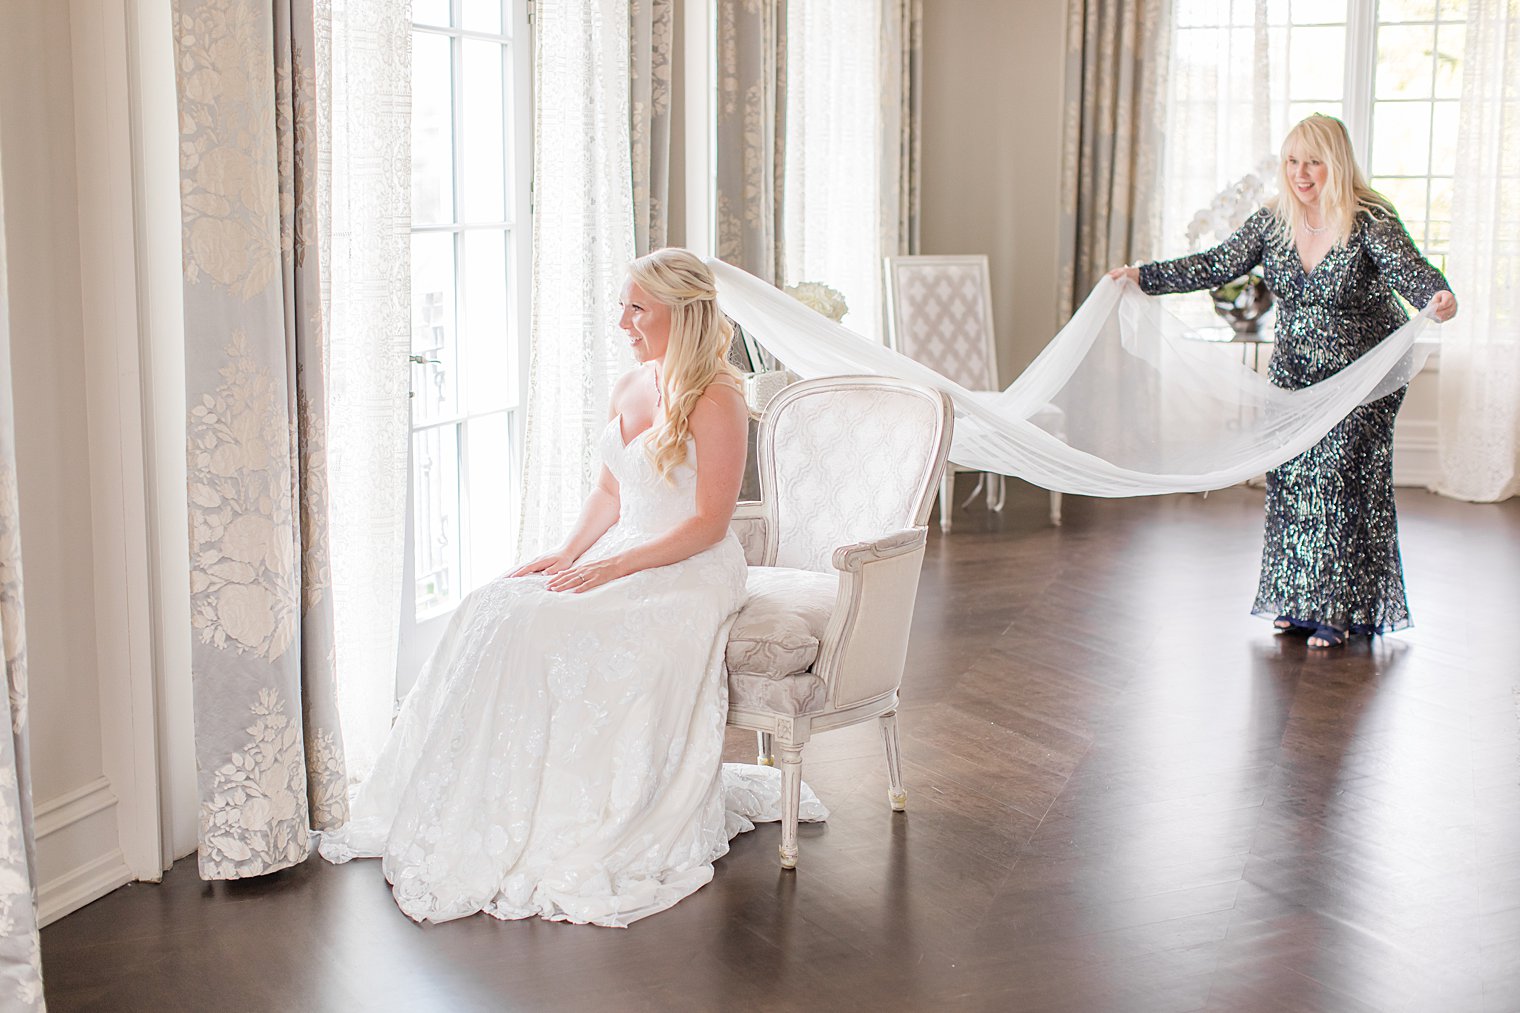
659 392
1312 230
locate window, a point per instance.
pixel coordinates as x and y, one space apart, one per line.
1243 73
1413 141
470 263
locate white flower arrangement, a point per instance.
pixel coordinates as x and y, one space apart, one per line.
819 298
1231 206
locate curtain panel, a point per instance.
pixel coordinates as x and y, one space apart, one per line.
1116 59
269 751
651 33
1480 349
902 96
365 180
266 245
583 238
852 147
20 954
751 135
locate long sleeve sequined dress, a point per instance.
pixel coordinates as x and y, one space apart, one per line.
1330 554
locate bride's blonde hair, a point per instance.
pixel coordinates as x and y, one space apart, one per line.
698 350
1345 192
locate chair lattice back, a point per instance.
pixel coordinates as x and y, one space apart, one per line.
939 312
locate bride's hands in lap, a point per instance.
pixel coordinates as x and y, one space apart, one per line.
584 578
550 562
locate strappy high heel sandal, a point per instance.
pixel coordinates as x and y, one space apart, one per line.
1328 636
1287 624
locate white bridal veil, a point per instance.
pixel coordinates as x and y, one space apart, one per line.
1144 408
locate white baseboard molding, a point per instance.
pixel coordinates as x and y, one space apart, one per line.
94 878
64 811
73 890
1416 454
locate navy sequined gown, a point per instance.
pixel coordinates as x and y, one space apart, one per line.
1330 554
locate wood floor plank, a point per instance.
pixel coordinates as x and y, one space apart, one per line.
1125 793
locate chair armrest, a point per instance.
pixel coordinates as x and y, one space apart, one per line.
856 555
751 525
861 654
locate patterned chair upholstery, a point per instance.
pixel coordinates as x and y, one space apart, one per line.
939 312
849 467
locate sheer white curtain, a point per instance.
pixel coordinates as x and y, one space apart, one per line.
1224 107
850 146
583 239
366 130
832 124
1480 356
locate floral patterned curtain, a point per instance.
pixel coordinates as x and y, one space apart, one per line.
650 34
1116 60
257 125
1480 349
751 135
20 955
902 96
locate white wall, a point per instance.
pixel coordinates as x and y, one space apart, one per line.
66 155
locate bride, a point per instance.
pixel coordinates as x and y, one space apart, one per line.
560 753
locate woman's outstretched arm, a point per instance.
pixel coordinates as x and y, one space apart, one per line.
719 428
1209 269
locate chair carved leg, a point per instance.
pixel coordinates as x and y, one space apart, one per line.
791 801
896 794
766 755
1055 509
997 493
946 499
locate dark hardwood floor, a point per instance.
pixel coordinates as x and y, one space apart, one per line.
1125 793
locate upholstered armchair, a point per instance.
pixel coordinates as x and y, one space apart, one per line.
939 313
849 467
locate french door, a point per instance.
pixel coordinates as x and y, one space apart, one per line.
471 164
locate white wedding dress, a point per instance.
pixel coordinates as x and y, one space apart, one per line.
560 754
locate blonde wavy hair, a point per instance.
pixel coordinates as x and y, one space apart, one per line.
1345 193
697 354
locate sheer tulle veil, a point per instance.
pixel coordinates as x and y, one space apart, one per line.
1146 406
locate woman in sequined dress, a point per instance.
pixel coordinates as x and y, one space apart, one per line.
1333 252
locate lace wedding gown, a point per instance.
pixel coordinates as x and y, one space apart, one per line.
559 755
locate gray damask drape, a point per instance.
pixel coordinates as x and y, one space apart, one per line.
651 29
257 130
20 956
751 136
902 118
1116 59
268 745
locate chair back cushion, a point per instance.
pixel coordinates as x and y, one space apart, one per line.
848 459
939 312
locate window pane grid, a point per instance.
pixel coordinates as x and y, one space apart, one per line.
465 392
1418 44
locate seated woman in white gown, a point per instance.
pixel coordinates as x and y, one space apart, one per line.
560 754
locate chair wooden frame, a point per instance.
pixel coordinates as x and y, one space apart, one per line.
862 654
